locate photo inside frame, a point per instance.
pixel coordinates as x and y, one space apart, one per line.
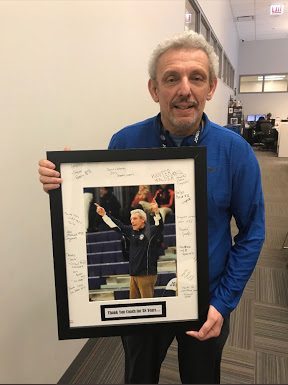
109 262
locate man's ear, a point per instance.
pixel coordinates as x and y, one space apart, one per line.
152 86
212 89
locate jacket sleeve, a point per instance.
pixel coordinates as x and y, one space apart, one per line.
109 222
117 225
247 207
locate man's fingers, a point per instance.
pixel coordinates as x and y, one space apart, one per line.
211 328
49 187
96 204
49 177
208 330
49 180
206 327
203 332
202 337
47 168
44 171
46 163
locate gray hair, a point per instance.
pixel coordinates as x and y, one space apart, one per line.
185 40
140 212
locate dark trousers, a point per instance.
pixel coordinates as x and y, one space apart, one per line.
199 361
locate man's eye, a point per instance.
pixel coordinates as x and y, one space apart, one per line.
171 79
197 78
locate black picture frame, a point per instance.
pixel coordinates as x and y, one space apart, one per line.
186 169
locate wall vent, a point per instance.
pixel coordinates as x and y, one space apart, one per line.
245 18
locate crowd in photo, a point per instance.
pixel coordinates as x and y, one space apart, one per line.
118 202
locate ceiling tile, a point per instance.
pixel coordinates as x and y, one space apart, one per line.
263 26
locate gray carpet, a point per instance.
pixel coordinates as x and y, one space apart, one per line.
257 348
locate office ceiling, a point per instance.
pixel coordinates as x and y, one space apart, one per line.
254 22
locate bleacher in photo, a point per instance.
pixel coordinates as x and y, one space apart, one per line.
108 271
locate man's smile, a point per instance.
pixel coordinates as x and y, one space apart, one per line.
183 105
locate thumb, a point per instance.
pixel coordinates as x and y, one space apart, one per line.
66 148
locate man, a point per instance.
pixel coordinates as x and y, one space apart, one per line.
110 203
183 76
143 248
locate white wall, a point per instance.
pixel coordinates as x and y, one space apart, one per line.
72 73
218 13
264 57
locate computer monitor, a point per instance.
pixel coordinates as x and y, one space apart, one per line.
259 116
250 118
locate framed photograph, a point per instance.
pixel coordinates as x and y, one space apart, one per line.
130 248
234 120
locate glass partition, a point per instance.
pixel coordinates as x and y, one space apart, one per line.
251 83
275 83
263 83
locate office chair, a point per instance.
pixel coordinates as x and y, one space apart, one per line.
267 135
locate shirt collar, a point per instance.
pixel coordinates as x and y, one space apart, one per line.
167 140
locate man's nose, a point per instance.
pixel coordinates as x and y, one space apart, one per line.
184 87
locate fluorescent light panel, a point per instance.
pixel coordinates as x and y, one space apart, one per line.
272 77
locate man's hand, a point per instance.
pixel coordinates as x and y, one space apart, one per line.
154 207
100 210
211 328
49 177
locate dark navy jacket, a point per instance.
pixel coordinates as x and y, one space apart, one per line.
144 246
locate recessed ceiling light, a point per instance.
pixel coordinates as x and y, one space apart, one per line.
272 77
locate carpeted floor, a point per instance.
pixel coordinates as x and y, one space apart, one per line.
257 348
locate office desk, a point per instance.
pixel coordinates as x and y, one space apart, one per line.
282 146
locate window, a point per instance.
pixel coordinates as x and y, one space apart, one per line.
275 83
228 72
263 83
219 53
218 50
250 84
204 28
232 76
214 41
195 20
192 16
225 69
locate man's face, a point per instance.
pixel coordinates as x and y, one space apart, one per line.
102 191
137 222
182 87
